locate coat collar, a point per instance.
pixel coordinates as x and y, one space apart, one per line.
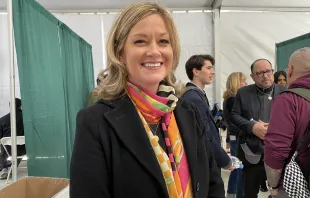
127 125
255 102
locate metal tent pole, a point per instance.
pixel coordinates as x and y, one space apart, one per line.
12 91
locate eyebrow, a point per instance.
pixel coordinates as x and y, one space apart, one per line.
264 71
145 35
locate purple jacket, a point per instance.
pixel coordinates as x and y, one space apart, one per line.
288 121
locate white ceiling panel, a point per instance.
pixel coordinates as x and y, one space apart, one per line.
267 3
112 4
76 5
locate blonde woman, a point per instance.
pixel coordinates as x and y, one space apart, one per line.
140 140
235 81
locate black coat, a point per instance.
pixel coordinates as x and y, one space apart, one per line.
246 106
227 108
5 125
112 156
5 131
198 98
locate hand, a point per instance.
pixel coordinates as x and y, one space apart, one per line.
264 123
259 130
231 168
274 192
227 147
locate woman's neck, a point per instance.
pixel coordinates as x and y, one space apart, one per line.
153 88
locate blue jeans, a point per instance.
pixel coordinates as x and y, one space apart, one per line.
235 178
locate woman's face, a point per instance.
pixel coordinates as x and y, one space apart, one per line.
148 53
282 80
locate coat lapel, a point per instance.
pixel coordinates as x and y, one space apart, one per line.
204 98
184 118
254 100
254 103
128 127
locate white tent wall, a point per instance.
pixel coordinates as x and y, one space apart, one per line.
196 36
89 28
195 31
247 36
244 37
5 68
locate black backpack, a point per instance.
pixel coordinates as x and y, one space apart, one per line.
305 93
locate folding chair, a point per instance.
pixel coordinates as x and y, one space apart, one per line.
7 141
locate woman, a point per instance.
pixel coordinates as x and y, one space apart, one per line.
280 78
141 140
235 81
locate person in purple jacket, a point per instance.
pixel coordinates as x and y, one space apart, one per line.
290 114
251 114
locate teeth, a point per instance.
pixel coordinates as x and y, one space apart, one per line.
151 64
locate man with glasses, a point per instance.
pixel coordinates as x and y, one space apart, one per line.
251 114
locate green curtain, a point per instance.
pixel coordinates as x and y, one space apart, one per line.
56 75
286 48
77 63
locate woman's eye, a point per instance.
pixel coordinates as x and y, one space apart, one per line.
139 41
164 41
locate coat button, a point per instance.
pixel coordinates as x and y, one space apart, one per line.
197 187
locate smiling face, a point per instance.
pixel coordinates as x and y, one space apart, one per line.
147 52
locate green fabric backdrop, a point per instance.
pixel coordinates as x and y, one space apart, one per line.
56 75
286 48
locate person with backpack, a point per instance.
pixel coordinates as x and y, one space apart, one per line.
199 69
287 131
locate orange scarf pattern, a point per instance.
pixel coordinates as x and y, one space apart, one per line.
174 164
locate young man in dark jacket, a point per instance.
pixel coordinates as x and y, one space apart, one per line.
290 114
199 69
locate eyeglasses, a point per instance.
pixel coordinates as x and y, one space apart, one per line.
261 74
285 69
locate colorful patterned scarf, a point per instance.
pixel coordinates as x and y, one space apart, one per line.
155 108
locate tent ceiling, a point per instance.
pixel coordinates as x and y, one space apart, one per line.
181 4
112 4
267 3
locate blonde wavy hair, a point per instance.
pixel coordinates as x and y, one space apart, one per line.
233 83
101 76
115 84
